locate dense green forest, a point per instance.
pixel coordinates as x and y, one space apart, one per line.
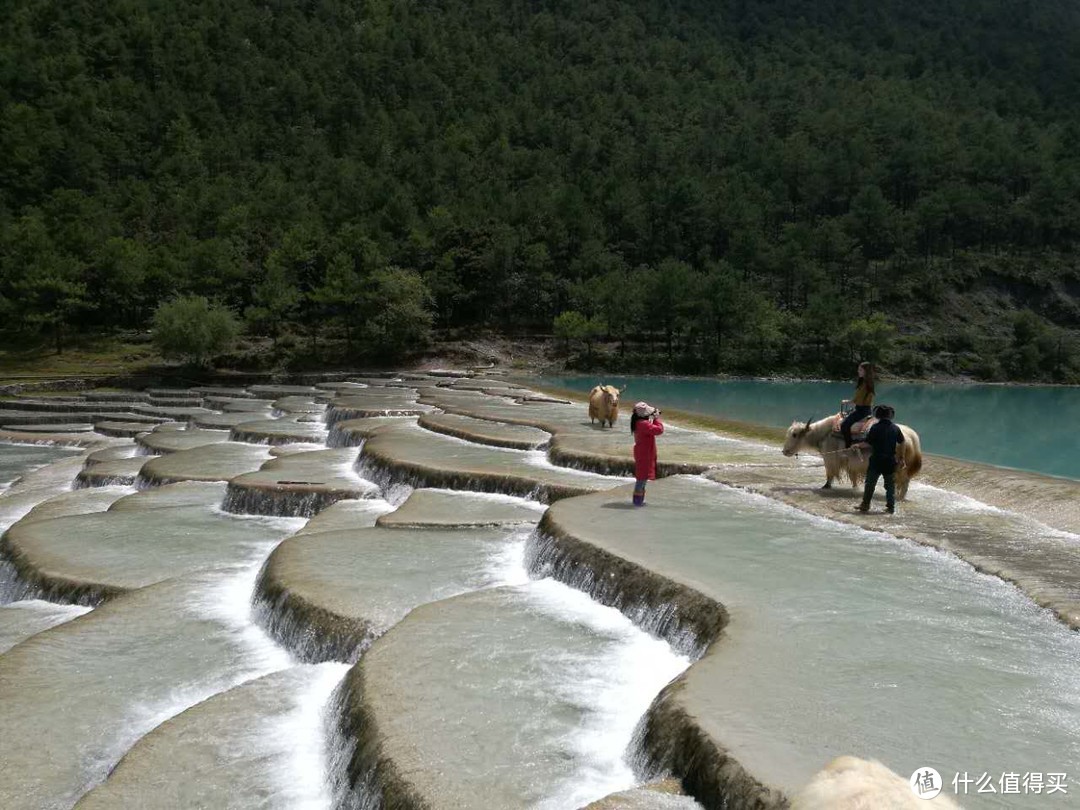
737 185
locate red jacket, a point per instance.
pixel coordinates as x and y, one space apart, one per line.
645 433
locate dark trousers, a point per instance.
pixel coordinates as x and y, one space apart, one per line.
878 468
860 412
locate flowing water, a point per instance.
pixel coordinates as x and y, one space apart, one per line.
87 690
20 620
262 745
530 696
843 641
19 459
174 677
1024 427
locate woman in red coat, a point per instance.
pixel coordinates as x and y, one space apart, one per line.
645 425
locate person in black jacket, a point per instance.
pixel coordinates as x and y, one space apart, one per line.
885 441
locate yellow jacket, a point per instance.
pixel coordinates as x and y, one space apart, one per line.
863 394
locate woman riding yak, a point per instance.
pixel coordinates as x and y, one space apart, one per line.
834 445
863 399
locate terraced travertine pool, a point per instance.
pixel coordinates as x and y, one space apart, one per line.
40 472
432 591
18 459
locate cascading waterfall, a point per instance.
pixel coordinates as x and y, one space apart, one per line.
222 598
589 696
29 479
616 688
280 502
395 487
347 790
306 780
12 587
687 621
277 613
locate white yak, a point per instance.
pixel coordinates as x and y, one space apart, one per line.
819 436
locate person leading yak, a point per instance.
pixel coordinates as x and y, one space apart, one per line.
645 426
864 398
885 441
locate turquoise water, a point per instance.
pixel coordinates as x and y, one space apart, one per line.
1028 428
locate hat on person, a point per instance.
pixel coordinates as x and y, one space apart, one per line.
643 409
884 412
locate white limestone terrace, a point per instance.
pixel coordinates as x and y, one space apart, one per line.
143 551
220 461
534 701
577 442
830 630
86 558
374 402
353 432
42 480
247 405
77 502
227 421
123 471
278 431
452 509
23 619
134 778
263 745
410 454
161 441
216 667
299 484
328 595
481 431
84 692
297 405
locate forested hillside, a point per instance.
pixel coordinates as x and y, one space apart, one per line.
739 185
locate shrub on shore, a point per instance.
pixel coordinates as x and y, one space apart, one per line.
193 330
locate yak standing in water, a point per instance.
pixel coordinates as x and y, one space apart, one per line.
604 404
824 436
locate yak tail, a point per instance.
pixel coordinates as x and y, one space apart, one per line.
915 465
915 461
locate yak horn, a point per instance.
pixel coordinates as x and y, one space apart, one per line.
808 421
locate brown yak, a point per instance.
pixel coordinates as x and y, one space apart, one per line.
604 404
